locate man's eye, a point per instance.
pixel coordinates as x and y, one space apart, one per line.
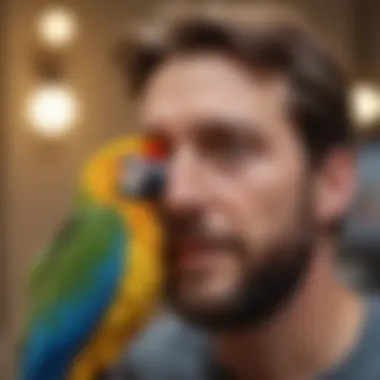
235 148
228 148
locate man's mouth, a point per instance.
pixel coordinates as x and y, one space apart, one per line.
195 255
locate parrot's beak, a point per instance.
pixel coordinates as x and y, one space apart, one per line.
154 181
142 179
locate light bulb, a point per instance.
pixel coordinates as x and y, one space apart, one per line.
365 100
52 110
57 26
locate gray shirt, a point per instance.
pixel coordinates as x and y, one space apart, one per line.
171 350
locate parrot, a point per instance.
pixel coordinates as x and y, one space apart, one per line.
98 281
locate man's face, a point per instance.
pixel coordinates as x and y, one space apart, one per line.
237 201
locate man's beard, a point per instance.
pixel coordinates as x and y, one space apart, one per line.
263 291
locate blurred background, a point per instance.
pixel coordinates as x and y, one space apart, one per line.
62 98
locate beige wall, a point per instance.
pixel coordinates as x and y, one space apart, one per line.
40 177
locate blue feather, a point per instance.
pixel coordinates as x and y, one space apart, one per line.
50 354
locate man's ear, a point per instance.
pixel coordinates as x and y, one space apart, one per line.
335 185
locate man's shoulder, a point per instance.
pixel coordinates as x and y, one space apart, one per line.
167 348
364 363
168 335
370 340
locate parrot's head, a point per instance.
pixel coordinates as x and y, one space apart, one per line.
129 170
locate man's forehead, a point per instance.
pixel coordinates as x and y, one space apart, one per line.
208 86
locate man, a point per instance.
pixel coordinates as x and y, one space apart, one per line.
254 113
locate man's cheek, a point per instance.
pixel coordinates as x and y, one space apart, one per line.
258 213
220 222
264 222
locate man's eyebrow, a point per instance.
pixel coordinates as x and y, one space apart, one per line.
205 124
226 125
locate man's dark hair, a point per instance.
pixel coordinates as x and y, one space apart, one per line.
265 41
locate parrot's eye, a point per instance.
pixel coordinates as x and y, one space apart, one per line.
141 178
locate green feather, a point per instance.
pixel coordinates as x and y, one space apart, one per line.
66 265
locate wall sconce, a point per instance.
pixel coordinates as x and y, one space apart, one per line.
52 107
365 102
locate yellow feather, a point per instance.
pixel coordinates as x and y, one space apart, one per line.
140 288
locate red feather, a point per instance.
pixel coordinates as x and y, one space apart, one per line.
156 149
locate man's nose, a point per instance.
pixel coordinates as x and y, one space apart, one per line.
184 182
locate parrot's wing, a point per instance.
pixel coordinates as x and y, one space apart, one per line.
72 287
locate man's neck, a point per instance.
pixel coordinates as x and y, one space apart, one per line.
313 333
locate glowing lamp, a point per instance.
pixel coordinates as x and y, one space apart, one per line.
57 26
366 104
52 110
